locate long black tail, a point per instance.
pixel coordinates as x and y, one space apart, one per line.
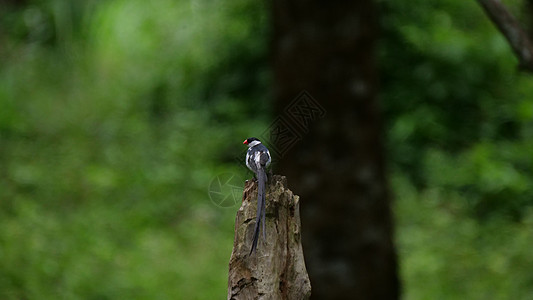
261 179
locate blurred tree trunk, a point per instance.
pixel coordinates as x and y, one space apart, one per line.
331 149
528 7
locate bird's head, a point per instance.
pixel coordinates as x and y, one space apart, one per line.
250 142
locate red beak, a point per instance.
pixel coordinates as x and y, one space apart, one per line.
245 142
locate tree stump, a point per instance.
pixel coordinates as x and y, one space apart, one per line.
277 269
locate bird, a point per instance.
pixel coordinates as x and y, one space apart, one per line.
258 159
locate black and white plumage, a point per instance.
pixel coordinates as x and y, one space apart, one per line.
257 159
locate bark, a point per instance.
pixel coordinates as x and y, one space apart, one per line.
327 49
277 270
512 30
528 7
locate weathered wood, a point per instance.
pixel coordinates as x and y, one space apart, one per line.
277 270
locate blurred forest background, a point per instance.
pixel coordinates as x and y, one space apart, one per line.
116 115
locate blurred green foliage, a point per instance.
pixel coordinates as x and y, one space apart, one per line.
460 126
460 115
116 115
110 113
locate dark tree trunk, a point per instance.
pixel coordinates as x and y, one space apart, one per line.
528 8
331 149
